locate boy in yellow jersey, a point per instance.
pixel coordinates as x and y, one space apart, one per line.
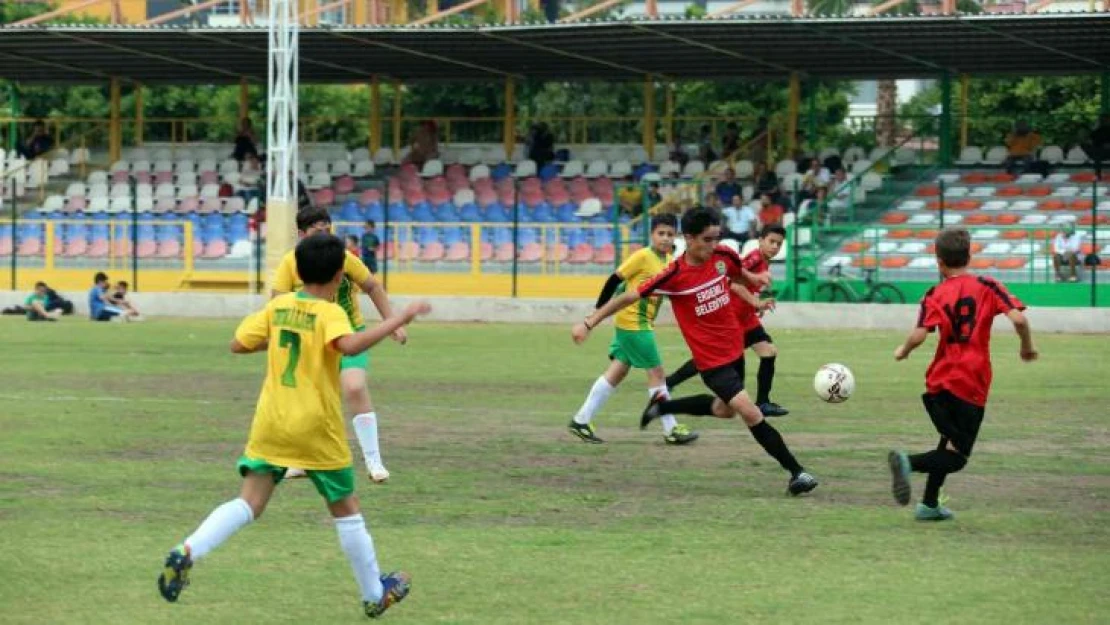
356 396
634 342
299 422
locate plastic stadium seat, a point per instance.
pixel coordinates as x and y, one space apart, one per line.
1081 204
965 205
1039 191
432 252
215 249
1052 205
894 262
530 253
927 191
581 254
558 252
925 234
981 263
865 262
977 219
605 255
922 219
904 234
1010 263
854 247
1005 219
1076 156
994 205
457 252
970 156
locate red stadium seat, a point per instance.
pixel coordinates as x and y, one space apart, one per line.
854 247
217 248
503 253
1011 263
605 255
558 252
531 253
1039 191
977 219
981 263
409 250
168 249
895 262
432 252
146 249
581 254
1009 191
892 219
98 249
1006 219
458 252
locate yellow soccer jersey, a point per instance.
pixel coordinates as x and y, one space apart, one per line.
635 270
299 418
355 272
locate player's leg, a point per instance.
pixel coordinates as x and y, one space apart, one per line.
259 480
674 433
760 342
728 382
580 425
356 402
378 592
683 373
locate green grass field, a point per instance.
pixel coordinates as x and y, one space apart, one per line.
116 440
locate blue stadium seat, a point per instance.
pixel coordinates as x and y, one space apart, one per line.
422 211
565 213
528 235
238 220
501 171
212 220
549 172
399 212
100 232
447 212
146 232
496 213
374 212
101 217
212 233
543 213
75 232
350 211
168 233
639 171
502 235
470 212
426 235
452 236
5 231
601 236
574 236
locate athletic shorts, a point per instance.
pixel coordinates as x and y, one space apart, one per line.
333 486
756 335
107 313
727 381
635 348
358 361
955 419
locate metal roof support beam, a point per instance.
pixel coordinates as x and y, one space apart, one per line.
149 55
569 55
597 8
189 10
733 8
873 48
30 60
458 8
879 9
716 49
73 8
1043 4
303 60
427 55
1033 44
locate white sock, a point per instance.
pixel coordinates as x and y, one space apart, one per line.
359 547
218 527
667 420
599 394
366 430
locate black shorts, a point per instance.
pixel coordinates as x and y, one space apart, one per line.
955 419
726 381
756 335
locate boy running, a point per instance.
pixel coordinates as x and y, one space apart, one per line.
633 344
962 308
299 422
356 396
758 261
698 286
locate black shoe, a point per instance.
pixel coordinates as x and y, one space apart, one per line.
651 412
801 483
771 409
899 476
584 432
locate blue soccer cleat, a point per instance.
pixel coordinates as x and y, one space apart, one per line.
395 587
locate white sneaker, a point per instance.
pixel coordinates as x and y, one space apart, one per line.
378 474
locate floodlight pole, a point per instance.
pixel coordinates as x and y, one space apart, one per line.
281 153
945 131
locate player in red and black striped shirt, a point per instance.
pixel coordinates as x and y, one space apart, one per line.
961 309
699 285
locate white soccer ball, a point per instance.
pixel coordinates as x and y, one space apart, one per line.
834 383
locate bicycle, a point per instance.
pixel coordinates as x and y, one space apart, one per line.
839 288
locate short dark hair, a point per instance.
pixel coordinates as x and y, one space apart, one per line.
309 216
123 283
698 219
319 258
100 277
370 223
772 229
954 247
40 283
352 239
666 219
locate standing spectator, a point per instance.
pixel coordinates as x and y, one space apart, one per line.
369 247
101 307
425 144
705 145
728 188
1021 146
1065 251
730 143
770 213
678 151
36 305
246 144
740 220
541 145
37 144
1098 144
119 299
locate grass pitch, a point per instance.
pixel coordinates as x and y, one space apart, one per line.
116 440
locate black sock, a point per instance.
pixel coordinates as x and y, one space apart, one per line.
698 406
683 373
765 378
932 489
772 442
937 461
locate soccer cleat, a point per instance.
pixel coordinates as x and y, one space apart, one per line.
651 412
395 587
801 483
378 474
584 431
175 575
680 435
939 513
771 409
899 476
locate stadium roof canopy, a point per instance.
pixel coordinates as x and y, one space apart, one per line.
732 47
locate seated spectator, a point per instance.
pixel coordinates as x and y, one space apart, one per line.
1021 146
368 249
1098 143
730 143
37 144
541 144
728 188
55 302
425 144
36 305
246 144
712 200
630 197
705 145
654 197
740 220
1065 251
101 307
119 299
770 213
766 181
815 182
678 151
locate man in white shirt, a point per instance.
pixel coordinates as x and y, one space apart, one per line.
1065 251
740 220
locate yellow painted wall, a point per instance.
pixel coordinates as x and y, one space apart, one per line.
132 11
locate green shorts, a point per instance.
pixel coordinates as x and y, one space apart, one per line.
635 348
358 361
333 485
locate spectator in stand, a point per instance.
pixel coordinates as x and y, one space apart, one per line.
728 188
1098 144
730 143
654 197
815 182
55 302
101 307
740 220
541 144
1021 147
766 181
705 145
36 305
678 151
630 197
713 201
369 246
425 144
37 144
246 144
770 213
1065 252
119 299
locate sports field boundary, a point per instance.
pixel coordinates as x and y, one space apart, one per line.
508 310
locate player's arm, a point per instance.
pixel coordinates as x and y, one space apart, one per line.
916 337
252 335
751 299
351 344
926 321
610 287
284 277
737 271
360 274
1025 333
582 329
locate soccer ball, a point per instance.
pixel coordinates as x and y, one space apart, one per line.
834 383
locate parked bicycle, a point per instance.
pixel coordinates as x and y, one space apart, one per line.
839 288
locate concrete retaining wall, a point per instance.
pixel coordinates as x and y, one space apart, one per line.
505 310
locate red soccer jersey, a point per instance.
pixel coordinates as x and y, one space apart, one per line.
702 304
749 316
963 309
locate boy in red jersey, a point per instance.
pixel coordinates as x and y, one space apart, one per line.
750 311
698 285
962 308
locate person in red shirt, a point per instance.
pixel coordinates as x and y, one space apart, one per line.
770 214
961 309
750 312
700 286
